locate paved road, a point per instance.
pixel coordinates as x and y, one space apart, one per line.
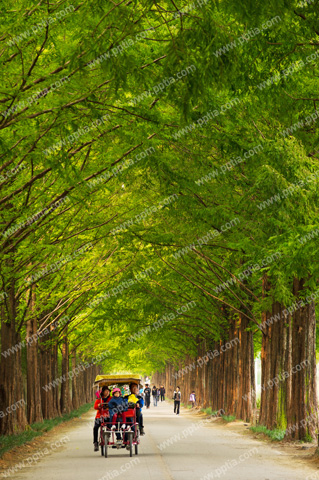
202 449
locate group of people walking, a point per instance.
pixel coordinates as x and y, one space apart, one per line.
156 392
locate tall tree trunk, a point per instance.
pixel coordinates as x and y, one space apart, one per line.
86 384
21 418
232 368
45 378
7 376
303 420
65 385
12 418
34 410
55 374
81 387
242 367
275 380
75 384
275 364
246 372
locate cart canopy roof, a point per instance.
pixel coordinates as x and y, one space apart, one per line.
102 380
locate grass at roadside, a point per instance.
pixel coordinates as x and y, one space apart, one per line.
228 418
208 410
275 435
7 442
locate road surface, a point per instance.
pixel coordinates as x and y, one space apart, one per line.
184 447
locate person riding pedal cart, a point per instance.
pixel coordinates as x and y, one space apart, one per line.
137 399
117 408
101 405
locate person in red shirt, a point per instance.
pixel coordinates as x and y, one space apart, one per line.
102 412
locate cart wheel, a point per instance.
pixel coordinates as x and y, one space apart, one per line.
131 445
136 449
106 441
101 442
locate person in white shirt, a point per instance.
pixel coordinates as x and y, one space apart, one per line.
177 400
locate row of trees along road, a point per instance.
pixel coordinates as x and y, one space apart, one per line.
137 162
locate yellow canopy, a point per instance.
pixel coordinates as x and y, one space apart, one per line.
107 380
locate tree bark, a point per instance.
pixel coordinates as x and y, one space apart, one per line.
55 374
303 420
12 414
65 385
275 365
75 385
45 378
34 410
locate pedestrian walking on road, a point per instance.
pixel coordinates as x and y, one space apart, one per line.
158 394
177 400
162 390
154 395
147 395
192 399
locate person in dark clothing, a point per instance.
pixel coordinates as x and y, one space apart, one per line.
147 395
162 390
101 405
177 400
154 395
